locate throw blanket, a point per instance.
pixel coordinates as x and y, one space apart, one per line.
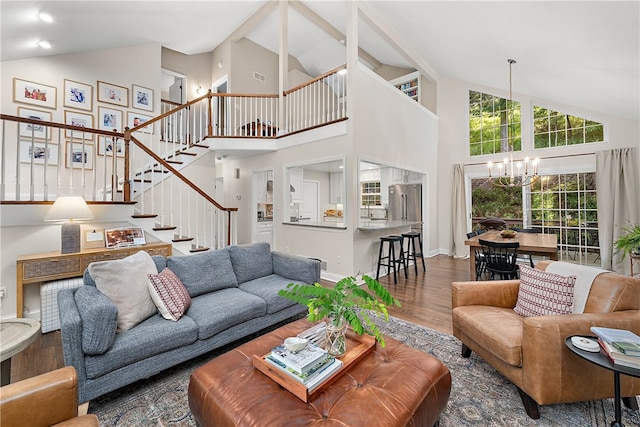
584 278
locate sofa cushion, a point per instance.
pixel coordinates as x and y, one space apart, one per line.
498 330
251 261
267 288
542 293
216 311
124 282
169 294
204 272
99 319
152 336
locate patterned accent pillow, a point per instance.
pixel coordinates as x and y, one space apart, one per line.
543 293
169 294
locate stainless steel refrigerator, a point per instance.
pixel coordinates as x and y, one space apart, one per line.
405 203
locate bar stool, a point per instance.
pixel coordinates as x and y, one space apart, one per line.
392 263
411 252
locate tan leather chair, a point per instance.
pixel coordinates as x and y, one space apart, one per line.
44 400
531 352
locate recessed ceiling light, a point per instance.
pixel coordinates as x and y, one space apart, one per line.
45 17
44 44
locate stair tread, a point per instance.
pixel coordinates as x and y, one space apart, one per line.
182 239
164 227
200 249
144 216
186 153
178 162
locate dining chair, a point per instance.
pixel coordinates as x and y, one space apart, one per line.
500 259
527 257
479 256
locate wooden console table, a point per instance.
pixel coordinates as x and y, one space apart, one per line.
38 268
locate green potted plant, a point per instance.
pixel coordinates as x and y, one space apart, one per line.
629 241
347 303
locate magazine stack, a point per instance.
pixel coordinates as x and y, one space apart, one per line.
309 366
622 346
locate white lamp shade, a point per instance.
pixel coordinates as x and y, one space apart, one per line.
67 208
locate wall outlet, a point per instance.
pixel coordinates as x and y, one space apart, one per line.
3 292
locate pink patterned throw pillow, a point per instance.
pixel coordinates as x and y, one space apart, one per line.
543 293
169 294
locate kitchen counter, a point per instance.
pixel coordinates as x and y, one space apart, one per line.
371 225
322 224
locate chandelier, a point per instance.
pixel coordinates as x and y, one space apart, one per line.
512 173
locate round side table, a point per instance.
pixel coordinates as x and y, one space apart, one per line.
15 336
603 361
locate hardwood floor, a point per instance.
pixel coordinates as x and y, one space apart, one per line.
425 299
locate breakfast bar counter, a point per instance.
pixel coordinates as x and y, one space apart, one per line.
375 225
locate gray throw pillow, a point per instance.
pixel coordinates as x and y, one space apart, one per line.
251 261
125 283
99 320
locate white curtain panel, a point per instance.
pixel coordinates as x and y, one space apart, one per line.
459 215
618 186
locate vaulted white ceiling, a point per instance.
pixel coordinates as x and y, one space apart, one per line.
579 53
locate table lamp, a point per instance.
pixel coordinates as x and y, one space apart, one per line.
69 208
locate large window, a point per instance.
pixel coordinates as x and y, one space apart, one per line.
494 123
555 129
563 204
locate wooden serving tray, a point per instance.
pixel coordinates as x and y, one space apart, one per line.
358 346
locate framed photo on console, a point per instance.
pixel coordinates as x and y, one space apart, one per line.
125 236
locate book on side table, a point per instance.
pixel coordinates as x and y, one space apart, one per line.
623 340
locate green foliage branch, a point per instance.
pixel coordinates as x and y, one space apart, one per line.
346 300
629 241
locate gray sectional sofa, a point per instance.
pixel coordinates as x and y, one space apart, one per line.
233 294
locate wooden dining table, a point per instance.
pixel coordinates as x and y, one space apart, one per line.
540 244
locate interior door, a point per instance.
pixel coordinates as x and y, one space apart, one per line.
310 202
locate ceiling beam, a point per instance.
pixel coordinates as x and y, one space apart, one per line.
255 19
387 32
331 30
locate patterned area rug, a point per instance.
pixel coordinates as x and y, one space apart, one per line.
479 396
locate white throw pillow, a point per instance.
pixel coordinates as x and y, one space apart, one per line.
125 283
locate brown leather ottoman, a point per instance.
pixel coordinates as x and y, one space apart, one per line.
392 386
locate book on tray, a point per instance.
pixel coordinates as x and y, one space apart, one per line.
623 340
617 357
312 378
302 361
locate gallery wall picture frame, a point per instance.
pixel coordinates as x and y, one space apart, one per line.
39 152
32 130
33 93
135 119
142 98
75 118
106 146
79 154
113 94
78 95
110 119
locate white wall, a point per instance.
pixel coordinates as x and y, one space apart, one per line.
453 99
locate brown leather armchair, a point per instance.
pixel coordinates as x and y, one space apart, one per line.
44 400
531 353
